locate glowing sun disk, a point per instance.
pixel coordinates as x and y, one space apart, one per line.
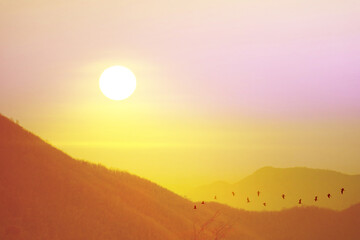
117 83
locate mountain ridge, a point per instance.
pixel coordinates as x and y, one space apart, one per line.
46 194
296 183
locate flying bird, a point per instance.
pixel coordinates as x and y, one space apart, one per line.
300 201
233 194
283 196
342 190
247 199
258 193
329 195
202 202
316 198
215 197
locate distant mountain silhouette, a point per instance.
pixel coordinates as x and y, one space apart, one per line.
295 183
45 194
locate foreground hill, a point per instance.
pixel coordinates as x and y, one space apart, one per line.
295 183
45 194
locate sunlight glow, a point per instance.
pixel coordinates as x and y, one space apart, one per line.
117 82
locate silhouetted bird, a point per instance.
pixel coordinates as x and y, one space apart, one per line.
264 204
194 206
316 197
202 202
215 197
233 194
258 193
248 200
329 195
283 196
300 201
342 190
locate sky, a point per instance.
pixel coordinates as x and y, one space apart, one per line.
223 87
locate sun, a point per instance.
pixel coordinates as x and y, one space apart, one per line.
117 82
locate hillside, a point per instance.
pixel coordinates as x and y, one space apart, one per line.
48 195
295 183
297 223
45 194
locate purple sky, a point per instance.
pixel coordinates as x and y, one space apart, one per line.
251 56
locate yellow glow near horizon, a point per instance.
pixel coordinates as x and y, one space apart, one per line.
117 82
